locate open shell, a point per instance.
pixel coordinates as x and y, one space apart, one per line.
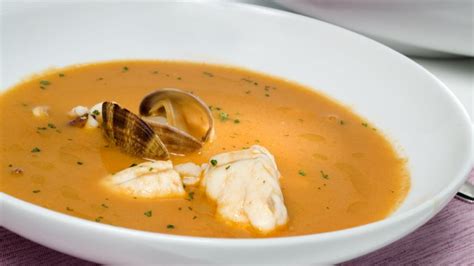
129 132
180 110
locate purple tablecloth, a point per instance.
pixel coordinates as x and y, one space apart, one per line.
446 239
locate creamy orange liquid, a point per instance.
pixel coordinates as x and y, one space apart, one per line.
337 170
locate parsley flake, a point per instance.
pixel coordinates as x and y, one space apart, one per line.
223 116
324 175
36 191
36 149
302 173
44 83
148 213
170 226
214 162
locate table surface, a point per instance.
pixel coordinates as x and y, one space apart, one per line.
446 239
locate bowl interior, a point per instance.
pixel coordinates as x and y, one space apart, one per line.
421 117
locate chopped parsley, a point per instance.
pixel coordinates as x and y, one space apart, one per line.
324 175
267 95
365 124
36 191
208 74
236 121
96 112
191 195
125 69
223 116
44 83
69 209
99 219
150 169
195 217
79 163
133 164
214 162
61 75
148 213
227 168
36 149
302 173
341 122
170 226
104 205
41 128
51 125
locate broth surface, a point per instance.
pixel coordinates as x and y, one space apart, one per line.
338 170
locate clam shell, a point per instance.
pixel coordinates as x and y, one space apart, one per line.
182 110
130 133
175 140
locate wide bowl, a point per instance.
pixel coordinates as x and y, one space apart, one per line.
417 28
414 109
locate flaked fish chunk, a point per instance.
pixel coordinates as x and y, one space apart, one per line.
41 111
154 179
245 186
189 172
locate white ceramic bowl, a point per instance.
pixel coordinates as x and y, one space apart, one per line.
416 27
409 104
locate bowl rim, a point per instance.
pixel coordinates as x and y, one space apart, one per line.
447 192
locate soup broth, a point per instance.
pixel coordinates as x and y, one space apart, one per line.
337 170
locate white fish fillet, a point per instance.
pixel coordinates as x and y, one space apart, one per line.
245 186
190 172
155 179
41 111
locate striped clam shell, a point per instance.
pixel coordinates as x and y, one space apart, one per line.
131 134
175 140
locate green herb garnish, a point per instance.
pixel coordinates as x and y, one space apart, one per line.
125 69
36 191
148 213
133 164
236 121
99 219
170 226
51 125
79 163
214 162
96 112
223 116
365 124
105 206
227 167
324 175
44 83
35 149
191 195
302 173
61 75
